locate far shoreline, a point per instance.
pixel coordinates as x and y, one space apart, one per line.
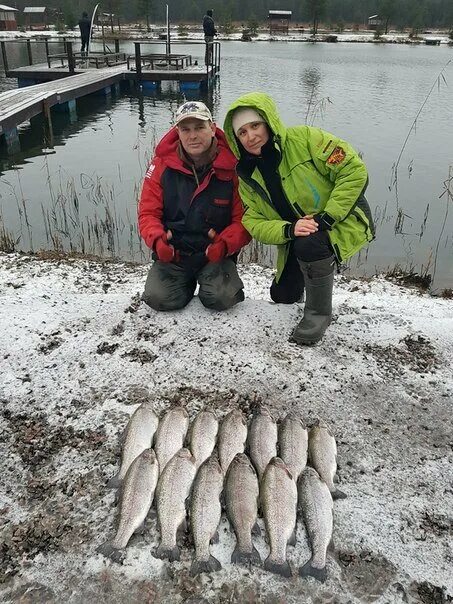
433 38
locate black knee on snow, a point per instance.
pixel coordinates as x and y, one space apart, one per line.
160 304
221 302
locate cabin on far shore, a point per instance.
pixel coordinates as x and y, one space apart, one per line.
7 18
279 21
35 17
374 22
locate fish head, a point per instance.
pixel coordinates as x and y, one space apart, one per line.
149 455
185 454
278 462
263 410
236 414
309 472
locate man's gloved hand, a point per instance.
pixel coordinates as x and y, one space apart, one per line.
217 250
165 252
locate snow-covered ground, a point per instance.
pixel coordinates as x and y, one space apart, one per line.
79 352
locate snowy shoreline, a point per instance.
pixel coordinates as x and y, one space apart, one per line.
80 352
131 35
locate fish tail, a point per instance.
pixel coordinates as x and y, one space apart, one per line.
167 553
283 570
204 566
308 570
110 551
114 482
337 494
240 557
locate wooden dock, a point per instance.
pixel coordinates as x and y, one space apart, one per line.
45 86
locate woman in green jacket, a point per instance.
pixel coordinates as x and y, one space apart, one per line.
303 191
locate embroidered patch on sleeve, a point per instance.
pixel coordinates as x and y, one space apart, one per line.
337 156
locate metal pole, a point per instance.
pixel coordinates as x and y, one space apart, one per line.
30 57
117 46
4 57
71 62
168 34
138 61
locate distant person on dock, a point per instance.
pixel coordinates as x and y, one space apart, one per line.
209 33
85 30
190 215
303 191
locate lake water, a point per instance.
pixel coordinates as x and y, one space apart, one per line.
82 194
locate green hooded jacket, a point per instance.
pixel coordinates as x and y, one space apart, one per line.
319 173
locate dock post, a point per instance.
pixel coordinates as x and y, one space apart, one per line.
4 57
71 62
138 61
29 53
46 43
117 45
72 109
48 131
116 88
12 140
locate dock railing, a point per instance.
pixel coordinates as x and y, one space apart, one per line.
140 60
208 59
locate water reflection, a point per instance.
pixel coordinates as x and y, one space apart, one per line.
82 194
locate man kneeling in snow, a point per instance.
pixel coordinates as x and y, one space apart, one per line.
190 216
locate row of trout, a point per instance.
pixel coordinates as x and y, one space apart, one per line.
274 479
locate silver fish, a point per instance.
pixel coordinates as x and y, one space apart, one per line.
170 435
205 512
322 451
137 494
203 435
316 503
262 440
278 495
172 491
232 437
293 444
138 436
241 499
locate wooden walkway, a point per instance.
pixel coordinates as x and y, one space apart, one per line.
21 104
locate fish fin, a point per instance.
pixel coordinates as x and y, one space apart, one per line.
256 530
292 539
337 494
308 570
215 538
167 553
114 482
119 494
284 570
115 554
246 558
204 566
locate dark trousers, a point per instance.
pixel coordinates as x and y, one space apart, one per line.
171 286
290 287
85 44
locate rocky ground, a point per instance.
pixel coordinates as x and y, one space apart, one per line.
80 351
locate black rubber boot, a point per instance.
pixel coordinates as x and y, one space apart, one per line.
318 278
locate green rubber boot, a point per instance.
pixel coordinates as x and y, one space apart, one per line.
318 278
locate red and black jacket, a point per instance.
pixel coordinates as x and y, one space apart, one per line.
172 199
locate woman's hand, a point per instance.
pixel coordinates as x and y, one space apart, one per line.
305 226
